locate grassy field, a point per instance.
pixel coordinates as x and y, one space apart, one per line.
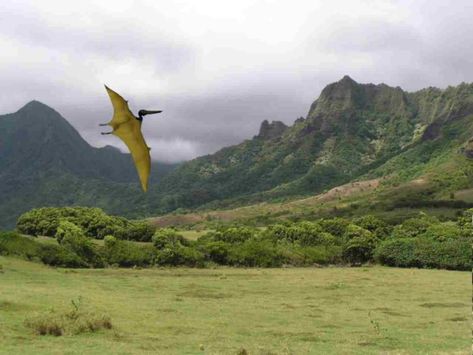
368 310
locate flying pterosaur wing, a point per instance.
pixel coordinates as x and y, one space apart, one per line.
128 129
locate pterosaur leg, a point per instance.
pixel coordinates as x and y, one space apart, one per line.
104 133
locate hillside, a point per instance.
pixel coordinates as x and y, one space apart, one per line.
45 162
352 131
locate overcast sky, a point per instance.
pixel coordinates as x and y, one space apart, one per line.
218 68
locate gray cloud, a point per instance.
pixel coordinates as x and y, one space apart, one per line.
218 69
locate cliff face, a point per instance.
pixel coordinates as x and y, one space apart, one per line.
271 130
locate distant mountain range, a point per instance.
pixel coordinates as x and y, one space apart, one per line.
352 131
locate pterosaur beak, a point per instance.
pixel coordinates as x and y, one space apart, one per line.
146 112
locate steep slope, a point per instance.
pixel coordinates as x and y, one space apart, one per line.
350 130
44 161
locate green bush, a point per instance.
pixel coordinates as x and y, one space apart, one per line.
375 225
94 222
56 255
215 251
254 252
139 231
72 238
443 231
69 229
175 255
359 244
308 256
168 237
335 226
303 233
12 243
127 254
235 235
413 227
452 254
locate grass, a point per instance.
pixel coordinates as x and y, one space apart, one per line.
367 310
192 234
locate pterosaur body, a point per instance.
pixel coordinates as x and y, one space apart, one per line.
127 127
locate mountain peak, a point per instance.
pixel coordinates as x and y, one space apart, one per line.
347 79
271 130
35 106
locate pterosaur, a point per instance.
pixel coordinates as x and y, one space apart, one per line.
127 127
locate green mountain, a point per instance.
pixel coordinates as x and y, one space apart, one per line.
45 162
352 131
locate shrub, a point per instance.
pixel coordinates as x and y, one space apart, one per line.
335 226
442 231
375 225
398 252
69 229
217 251
452 254
140 231
235 235
94 222
56 255
254 252
413 227
71 238
306 256
168 237
127 254
12 243
174 249
360 249
303 233
179 255
359 244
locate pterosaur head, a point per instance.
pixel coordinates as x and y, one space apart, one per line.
142 113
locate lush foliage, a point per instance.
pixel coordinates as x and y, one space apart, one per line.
93 221
125 253
424 241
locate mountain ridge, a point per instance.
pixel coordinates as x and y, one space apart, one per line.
350 128
352 131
